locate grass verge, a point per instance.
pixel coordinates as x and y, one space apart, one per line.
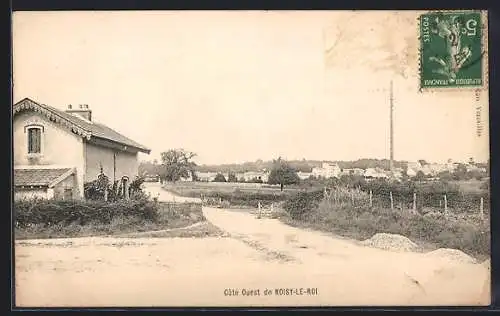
469 234
59 219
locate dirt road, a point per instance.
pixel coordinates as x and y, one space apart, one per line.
260 254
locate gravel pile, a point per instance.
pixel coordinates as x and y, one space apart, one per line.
451 254
391 242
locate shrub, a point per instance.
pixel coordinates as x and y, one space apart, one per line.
96 190
303 203
239 197
363 222
53 212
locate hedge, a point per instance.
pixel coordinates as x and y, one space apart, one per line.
82 212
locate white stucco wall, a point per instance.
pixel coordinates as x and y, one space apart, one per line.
127 164
60 147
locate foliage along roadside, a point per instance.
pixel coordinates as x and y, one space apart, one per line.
470 234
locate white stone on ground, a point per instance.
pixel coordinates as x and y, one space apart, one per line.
391 242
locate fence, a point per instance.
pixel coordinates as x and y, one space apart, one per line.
265 211
214 201
416 202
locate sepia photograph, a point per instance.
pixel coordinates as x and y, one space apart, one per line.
250 158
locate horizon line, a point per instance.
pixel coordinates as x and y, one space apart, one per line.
324 160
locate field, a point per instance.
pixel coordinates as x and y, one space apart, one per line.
191 188
236 195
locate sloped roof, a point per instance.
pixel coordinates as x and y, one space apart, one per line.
39 177
79 125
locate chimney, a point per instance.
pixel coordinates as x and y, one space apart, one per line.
82 110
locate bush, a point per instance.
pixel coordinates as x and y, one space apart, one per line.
96 190
363 222
53 212
302 204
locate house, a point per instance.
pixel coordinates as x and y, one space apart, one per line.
327 170
353 171
259 175
437 168
397 173
56 151
304 175
206 176
474 168
413 168
428 171
375 173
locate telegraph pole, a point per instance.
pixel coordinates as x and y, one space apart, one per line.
391 100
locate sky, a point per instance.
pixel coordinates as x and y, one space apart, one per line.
235 86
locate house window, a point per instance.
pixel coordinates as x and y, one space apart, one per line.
34 140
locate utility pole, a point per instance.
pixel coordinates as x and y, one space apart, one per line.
391 100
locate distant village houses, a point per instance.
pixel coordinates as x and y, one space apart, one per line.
375 173
245 176
353 172
304 175
327 170
332 170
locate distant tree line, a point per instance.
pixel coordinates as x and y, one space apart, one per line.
298 165
178 163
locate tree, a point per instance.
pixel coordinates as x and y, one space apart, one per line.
220 178
445 176
461 173
419 176
422 162
282 174
232 177
149 168
476 174
177 164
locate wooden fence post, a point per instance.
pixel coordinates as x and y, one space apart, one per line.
392 200
371 198
481 208
445 206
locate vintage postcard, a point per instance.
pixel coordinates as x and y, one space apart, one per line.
251 158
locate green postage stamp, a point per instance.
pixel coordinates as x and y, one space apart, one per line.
451 50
